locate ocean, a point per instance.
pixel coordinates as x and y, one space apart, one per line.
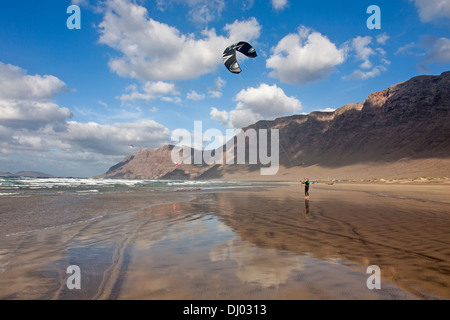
25 186
34 204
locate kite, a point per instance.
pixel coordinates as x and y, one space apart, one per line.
229 55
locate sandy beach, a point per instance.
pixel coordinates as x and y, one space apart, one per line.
237 243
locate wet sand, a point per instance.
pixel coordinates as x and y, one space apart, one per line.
248 243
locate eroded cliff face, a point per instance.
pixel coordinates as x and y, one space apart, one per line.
409 120
144 164
153 164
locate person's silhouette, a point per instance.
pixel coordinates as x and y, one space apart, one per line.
306 183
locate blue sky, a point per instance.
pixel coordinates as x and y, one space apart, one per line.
74 102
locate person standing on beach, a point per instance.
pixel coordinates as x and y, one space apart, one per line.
306 183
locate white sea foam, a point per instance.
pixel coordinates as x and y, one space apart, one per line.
90 185
88 191
65 182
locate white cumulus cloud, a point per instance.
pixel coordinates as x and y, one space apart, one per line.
304 57
114 139
363 51
216 90
220 116
438 49
152 50
35 129
361 48
279 4
382 38
362 75
25 100
253 104
200 11
434 50
150 90
432 10
195 96
16 84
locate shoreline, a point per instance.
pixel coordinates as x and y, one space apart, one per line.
402 181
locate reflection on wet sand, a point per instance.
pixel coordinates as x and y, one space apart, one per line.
307 209
407 238
265 268
238 245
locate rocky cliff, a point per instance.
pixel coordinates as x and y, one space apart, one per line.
153 164
407 121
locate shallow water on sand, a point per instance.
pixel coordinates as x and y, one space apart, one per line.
235 244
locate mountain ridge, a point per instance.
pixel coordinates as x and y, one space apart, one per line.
28 174
408 121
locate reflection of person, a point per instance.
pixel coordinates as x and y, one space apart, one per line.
307 213
306 183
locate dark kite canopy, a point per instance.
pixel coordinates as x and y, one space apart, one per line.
229 55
